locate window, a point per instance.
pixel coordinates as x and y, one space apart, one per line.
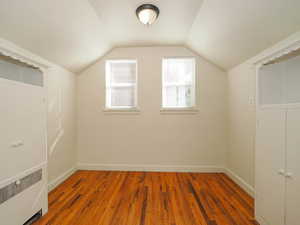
178 83
121 84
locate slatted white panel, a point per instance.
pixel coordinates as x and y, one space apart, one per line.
292 71
279 82
272 84
17 72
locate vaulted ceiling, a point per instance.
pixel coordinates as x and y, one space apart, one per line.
75 33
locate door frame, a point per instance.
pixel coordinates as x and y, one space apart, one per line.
11 50
282 48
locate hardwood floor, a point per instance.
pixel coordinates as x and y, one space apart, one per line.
148 198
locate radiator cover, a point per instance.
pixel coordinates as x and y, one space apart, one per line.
13 189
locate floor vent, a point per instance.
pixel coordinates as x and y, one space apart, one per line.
34 218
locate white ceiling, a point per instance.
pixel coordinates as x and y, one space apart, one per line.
123 27
229 32
67 32
75 33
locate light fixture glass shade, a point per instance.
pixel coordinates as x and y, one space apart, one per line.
147 13
147 16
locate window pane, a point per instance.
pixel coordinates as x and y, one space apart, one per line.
184 96
170 96
178 70
171 72
121 79
178 82
178 96
123 72
122 97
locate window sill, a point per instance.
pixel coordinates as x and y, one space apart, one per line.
191 110
122 111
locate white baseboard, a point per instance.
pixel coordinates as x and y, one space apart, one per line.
154 168
57 181
243 184
260 220
148 167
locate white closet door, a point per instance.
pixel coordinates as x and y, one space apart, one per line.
23 127
270 160
22 140
293 167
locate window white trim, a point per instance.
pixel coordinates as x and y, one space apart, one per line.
121 111
193 85
179 110
109 85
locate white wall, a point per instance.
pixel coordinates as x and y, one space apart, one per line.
61 124
150 139
241 92
242 121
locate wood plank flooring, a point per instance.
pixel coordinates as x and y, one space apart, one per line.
148 198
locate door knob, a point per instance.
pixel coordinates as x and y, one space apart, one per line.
289 175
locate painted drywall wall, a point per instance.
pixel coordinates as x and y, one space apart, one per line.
150 139
242 119
241 100
61 86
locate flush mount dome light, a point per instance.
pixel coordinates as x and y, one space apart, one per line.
147 13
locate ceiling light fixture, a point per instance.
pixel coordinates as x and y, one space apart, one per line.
147 13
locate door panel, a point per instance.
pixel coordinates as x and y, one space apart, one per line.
270 158
23 127
293 167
